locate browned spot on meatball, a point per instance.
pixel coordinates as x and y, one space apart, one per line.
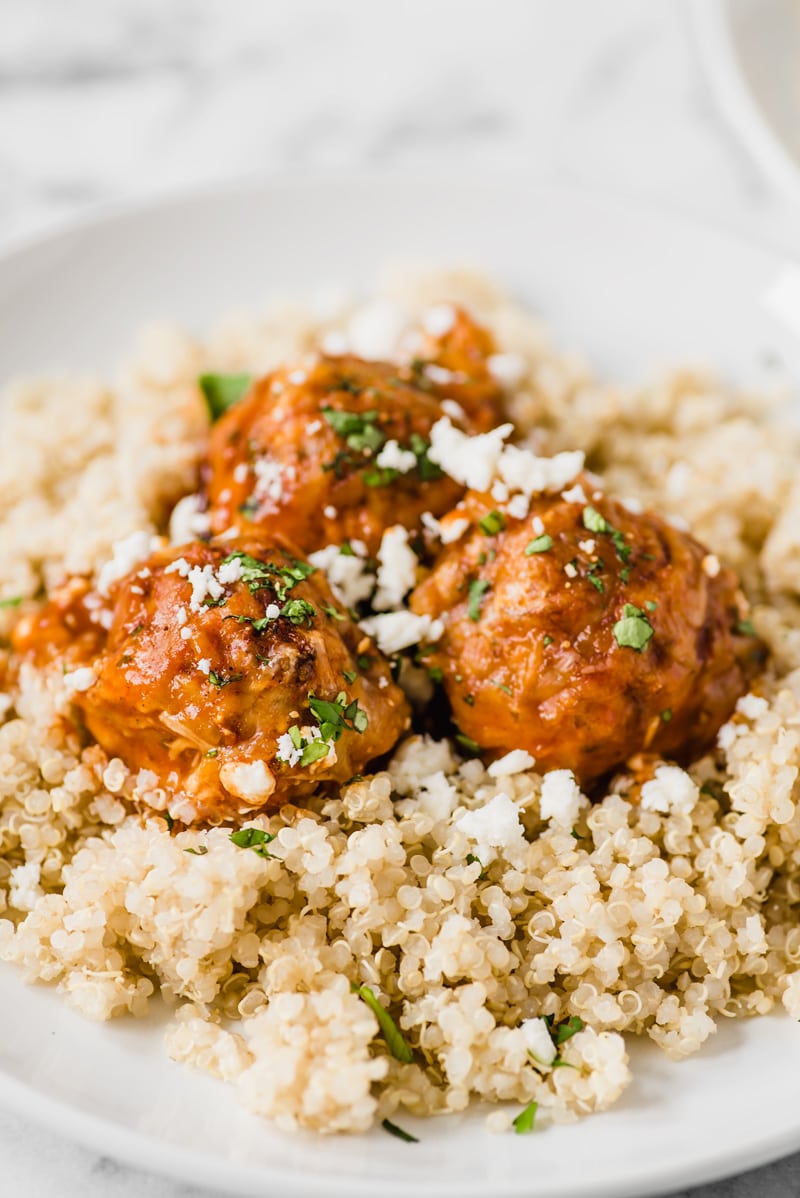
586 633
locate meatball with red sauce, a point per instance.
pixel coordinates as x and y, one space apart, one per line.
337 451
586 633
232 673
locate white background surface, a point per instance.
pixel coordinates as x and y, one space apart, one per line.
108 99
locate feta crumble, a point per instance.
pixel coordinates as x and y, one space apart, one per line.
397 569
670 790
230 572
204 666
538 1040
188 520
392 457
398 630
251 781
494 826
507 369
269 479
575 494
347 574
80 679
205 585
561 800
126 554
438 320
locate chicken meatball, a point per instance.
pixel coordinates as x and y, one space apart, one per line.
231 672
585 633
337 451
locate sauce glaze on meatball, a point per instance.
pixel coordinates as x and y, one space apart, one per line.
233 674
586 633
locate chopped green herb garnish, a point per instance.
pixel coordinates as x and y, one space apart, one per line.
363 661
473 860
595 522
468 744
349 675
212 753
745 627
492 523
168 820
525 1119
199 850
477 589
596 582
469 700
394 1130
381 476
14 601
426 469
253 838
625 574
501 686
218 680
539 544
566 1029
395 1041
222 391
666 714
334 716
315 750
299 612
634 630
436 674
548 640
651 604
332 612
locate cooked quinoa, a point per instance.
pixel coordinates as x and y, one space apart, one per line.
472 901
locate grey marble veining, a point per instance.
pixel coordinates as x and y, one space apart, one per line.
105 100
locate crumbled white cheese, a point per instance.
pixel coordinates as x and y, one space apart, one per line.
438 320
454 410
633 505
443 376
188 520
494 826
499 491
570 570
471 461
330 512
297 377
397 569
670 790
392 457
313 426
538 1040
204 666
575 494
507 369
186 633
398 630
752 707
711 566
272 611
513 763
518 507
522 470
347 574
537 526
288 751
80 679
180 616
230 572
126 554
179 566
452 530
334 343
251 781
561 799
269 478
204 586
374 330
241 472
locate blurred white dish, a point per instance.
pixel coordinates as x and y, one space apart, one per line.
632 290
751 51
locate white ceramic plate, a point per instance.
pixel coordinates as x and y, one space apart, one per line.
751 51
633 290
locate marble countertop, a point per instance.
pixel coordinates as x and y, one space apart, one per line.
101 102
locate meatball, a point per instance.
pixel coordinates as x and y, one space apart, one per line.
337 451
585 633
454 361
231 672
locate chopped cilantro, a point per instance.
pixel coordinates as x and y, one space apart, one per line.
469 700
595 522
299 612
634 630
539 544
363 661
477 589
745 627
426 469
473 860
596 582
525 1119
212 753
394 1130
625 574
334 716
666 714
253 838
14 601
492 523
168 820
222 391
548 640
381 476
349 675
566 1029
219 680
468 744
651 604
282 579
359 430
199 850
346 550
395 1041
501 686
315 750
436 674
